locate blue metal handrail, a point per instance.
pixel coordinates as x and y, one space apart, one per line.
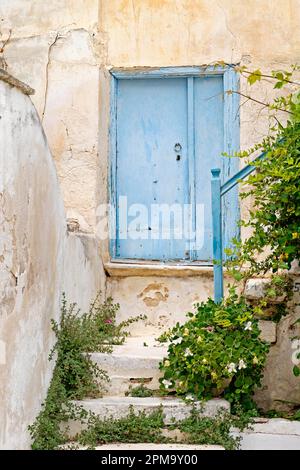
217 191
240 175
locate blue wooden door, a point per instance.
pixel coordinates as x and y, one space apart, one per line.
169 134
209 145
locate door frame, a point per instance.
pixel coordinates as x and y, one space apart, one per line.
231 140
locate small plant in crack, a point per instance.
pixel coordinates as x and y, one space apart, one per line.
140 391
145 428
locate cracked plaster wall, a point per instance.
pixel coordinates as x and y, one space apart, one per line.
38 260
53 47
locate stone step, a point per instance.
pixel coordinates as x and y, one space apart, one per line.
270 434
125 364
120 385
173 408
131 364
151 446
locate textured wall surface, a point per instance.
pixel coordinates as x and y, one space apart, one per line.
280 387
38 260
54 47
32 238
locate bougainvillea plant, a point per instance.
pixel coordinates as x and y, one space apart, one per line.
216 352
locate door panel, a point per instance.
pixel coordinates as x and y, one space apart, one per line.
209 145
151 169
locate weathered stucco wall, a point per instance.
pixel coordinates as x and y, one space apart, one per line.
38 260
165 32
32 238
53 47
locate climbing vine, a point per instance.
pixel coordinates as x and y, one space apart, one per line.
274 220
274 191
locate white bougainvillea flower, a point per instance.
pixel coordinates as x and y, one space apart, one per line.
231 367
296 344
190 397
242 364
177 341
248 326
188 352
166 383
255 360
166 363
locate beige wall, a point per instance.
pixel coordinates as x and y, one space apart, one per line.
54 48
188 32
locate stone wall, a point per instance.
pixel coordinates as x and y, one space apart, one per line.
280 387
38 260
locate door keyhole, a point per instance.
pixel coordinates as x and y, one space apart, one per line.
177 149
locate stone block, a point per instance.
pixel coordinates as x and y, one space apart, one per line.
255 289
268 330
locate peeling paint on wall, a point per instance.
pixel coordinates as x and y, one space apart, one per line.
153 294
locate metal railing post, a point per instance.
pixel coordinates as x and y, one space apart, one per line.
217 191
216 207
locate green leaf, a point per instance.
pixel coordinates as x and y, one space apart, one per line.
279 76
254 77
237 276
296 371
279 85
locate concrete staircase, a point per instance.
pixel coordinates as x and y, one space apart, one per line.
137 362
129 365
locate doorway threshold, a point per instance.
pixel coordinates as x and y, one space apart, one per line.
143 268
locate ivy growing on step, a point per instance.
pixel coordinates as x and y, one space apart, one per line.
75 375
144 428
140 391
